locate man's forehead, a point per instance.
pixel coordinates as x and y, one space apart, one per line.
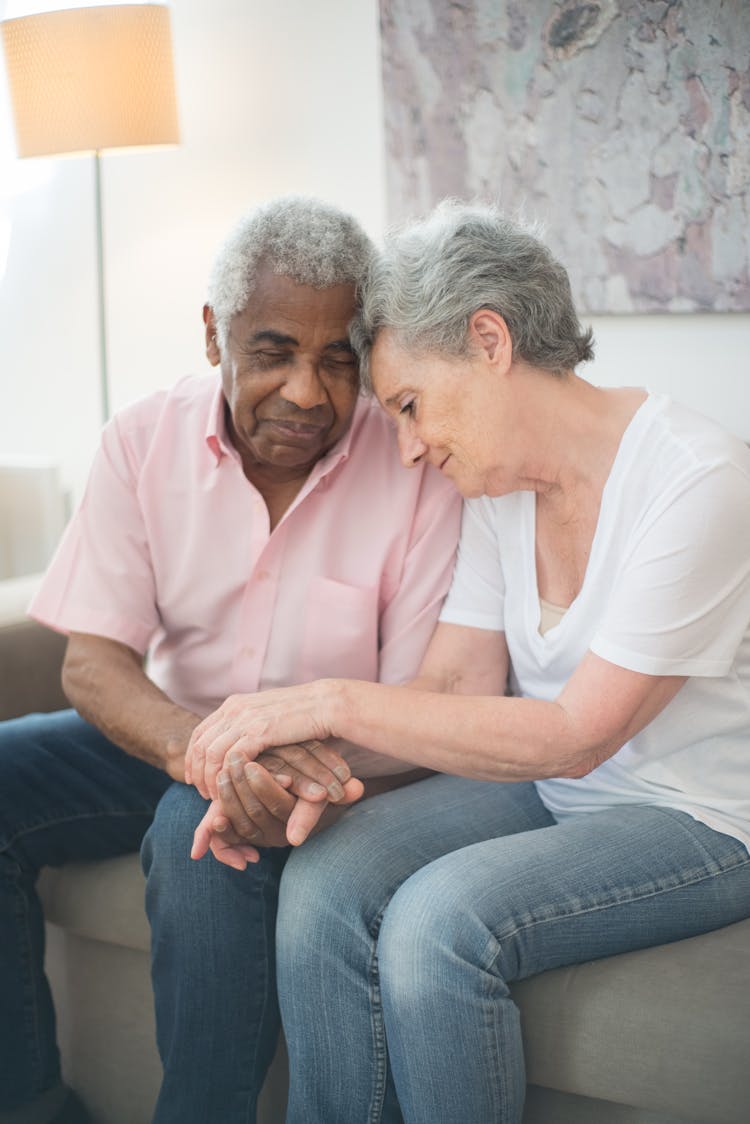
279 303
269 285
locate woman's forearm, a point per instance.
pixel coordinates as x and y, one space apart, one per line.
489 738
366 763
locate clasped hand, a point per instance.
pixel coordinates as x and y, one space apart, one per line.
250 724
278 798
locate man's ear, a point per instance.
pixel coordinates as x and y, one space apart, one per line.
212 347
489 333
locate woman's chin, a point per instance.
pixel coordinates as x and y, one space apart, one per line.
469 489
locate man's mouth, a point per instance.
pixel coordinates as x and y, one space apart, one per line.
302 433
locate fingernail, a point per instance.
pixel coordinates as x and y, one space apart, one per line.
341 772
335 791
235 757
315 789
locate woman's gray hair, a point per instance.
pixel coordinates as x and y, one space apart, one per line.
434 274
310 241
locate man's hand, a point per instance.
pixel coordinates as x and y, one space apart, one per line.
250 724
268 806
239 818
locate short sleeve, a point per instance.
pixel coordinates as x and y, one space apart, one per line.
680 603
409 619
477 593
101 579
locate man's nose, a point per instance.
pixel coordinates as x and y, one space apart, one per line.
304 388
411 447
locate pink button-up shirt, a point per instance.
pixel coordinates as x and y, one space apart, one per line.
170 552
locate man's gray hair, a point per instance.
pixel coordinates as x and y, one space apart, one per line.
310 241
435 273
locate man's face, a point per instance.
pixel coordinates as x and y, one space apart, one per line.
289 375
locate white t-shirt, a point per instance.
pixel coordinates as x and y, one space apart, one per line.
666 592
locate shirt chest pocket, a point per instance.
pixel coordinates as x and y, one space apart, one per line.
341 631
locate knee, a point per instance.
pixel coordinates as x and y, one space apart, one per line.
165 853
328 900
309 894
429 932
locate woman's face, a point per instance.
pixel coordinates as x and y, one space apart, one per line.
447 410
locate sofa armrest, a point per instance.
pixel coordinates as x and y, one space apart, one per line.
31 656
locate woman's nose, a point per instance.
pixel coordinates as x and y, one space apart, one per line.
411 447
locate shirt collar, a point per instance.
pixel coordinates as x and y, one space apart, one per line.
216 428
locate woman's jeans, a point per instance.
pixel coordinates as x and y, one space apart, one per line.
401 928
68 794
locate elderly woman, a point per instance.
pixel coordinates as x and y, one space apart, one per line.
587 691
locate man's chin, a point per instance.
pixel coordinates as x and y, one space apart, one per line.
289 458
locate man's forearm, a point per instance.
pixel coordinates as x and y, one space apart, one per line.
107 685
366 763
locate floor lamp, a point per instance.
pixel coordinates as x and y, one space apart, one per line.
88 79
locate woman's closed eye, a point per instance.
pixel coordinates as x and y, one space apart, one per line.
409 407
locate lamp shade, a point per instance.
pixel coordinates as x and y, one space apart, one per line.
85 79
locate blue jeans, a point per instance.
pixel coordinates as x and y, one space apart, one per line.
401 928
213 969
66 794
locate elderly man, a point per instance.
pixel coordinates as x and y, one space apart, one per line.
253 533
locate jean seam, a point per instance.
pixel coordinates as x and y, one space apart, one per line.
34 1025
31 1019
705 876
263 886
377 1022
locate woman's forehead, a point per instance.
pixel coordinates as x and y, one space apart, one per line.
391 364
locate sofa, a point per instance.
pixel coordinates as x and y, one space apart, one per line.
660 1036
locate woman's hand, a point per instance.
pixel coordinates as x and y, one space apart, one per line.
249 724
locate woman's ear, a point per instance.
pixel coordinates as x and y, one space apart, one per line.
212 348
489 333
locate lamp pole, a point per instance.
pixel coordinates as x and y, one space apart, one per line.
103 372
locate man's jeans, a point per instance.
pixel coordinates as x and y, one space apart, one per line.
213 969
66 794
401 927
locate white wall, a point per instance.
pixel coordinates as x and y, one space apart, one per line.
701 360
273 97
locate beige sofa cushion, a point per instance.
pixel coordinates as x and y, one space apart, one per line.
102 901
665 1028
